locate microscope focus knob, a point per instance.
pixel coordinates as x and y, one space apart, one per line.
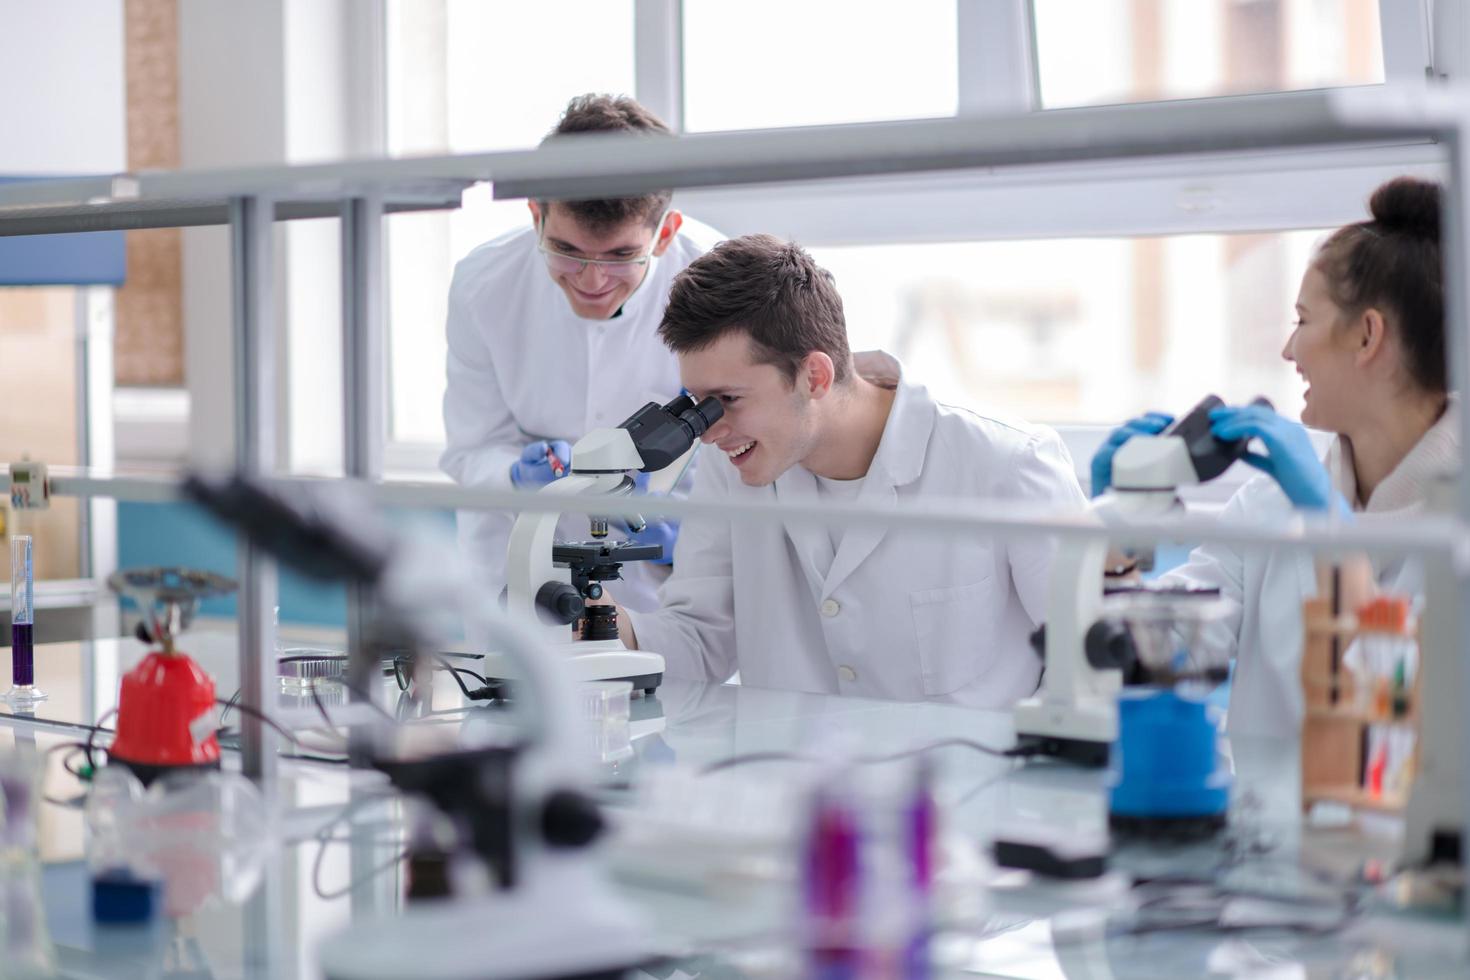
570 819
560 603
1109 645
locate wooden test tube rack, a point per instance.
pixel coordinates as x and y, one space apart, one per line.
1333 723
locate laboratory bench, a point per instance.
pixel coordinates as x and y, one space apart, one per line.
704 810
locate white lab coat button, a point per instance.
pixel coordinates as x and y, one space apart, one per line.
598 416
846 673
830 608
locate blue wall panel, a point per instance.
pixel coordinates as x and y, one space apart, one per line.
85 259
183 534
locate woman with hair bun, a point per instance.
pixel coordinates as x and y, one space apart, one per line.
1369 343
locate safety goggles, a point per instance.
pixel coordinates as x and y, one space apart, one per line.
629 270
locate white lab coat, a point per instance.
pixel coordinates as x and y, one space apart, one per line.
522 366
1265 591
901 616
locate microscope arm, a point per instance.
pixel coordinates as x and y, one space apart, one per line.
528 564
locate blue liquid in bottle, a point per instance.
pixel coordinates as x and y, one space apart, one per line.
22 654
22 618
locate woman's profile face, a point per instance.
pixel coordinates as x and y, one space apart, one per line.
1321 348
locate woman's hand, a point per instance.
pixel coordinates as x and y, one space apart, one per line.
1102 461
1290 457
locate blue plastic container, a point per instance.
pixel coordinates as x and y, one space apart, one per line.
1166 765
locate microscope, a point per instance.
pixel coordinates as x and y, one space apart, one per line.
556 584
523 892
1075 714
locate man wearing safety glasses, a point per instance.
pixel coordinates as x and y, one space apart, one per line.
552 332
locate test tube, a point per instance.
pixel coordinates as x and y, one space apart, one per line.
23 689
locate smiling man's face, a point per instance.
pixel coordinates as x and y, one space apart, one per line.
769 425
596 291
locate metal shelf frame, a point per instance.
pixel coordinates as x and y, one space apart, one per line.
361 192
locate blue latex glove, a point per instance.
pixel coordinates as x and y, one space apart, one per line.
534 470
1102 461
1290 456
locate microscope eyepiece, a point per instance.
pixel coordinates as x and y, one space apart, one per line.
663 433
698 417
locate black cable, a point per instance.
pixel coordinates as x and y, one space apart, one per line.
455 674
73 748
92 736
228 705
267 719
66 762
444 662
324 837
486 692
749 757
305 757
944 743
362 696
347 888
1213 900
321 708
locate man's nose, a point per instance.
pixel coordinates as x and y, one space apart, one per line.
592 275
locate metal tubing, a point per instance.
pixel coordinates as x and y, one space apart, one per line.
1427 534
1456 259
363 406
253 325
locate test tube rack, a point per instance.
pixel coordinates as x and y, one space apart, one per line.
1336 721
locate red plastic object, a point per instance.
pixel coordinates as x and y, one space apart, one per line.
161 699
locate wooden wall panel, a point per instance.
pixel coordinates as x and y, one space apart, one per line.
38 416
150 320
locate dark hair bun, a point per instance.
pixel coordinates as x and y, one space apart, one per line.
1407 205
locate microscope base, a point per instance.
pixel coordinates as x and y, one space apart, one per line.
1082 731
559 922
594 660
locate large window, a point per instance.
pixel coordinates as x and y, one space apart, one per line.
467 76
1109 51
767 63
1089 330
1029 294
39 417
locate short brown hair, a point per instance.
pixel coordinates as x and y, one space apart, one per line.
1393 262
770 290
594 113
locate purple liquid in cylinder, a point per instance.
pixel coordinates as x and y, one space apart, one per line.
22 657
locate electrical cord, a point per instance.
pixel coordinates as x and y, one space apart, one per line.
488 690
443 661
72 749
230 704
354 883
1189 904
751 757
92 736
324 837
267 719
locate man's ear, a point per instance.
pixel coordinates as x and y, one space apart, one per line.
535 213
672 221
1371 336
816 374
